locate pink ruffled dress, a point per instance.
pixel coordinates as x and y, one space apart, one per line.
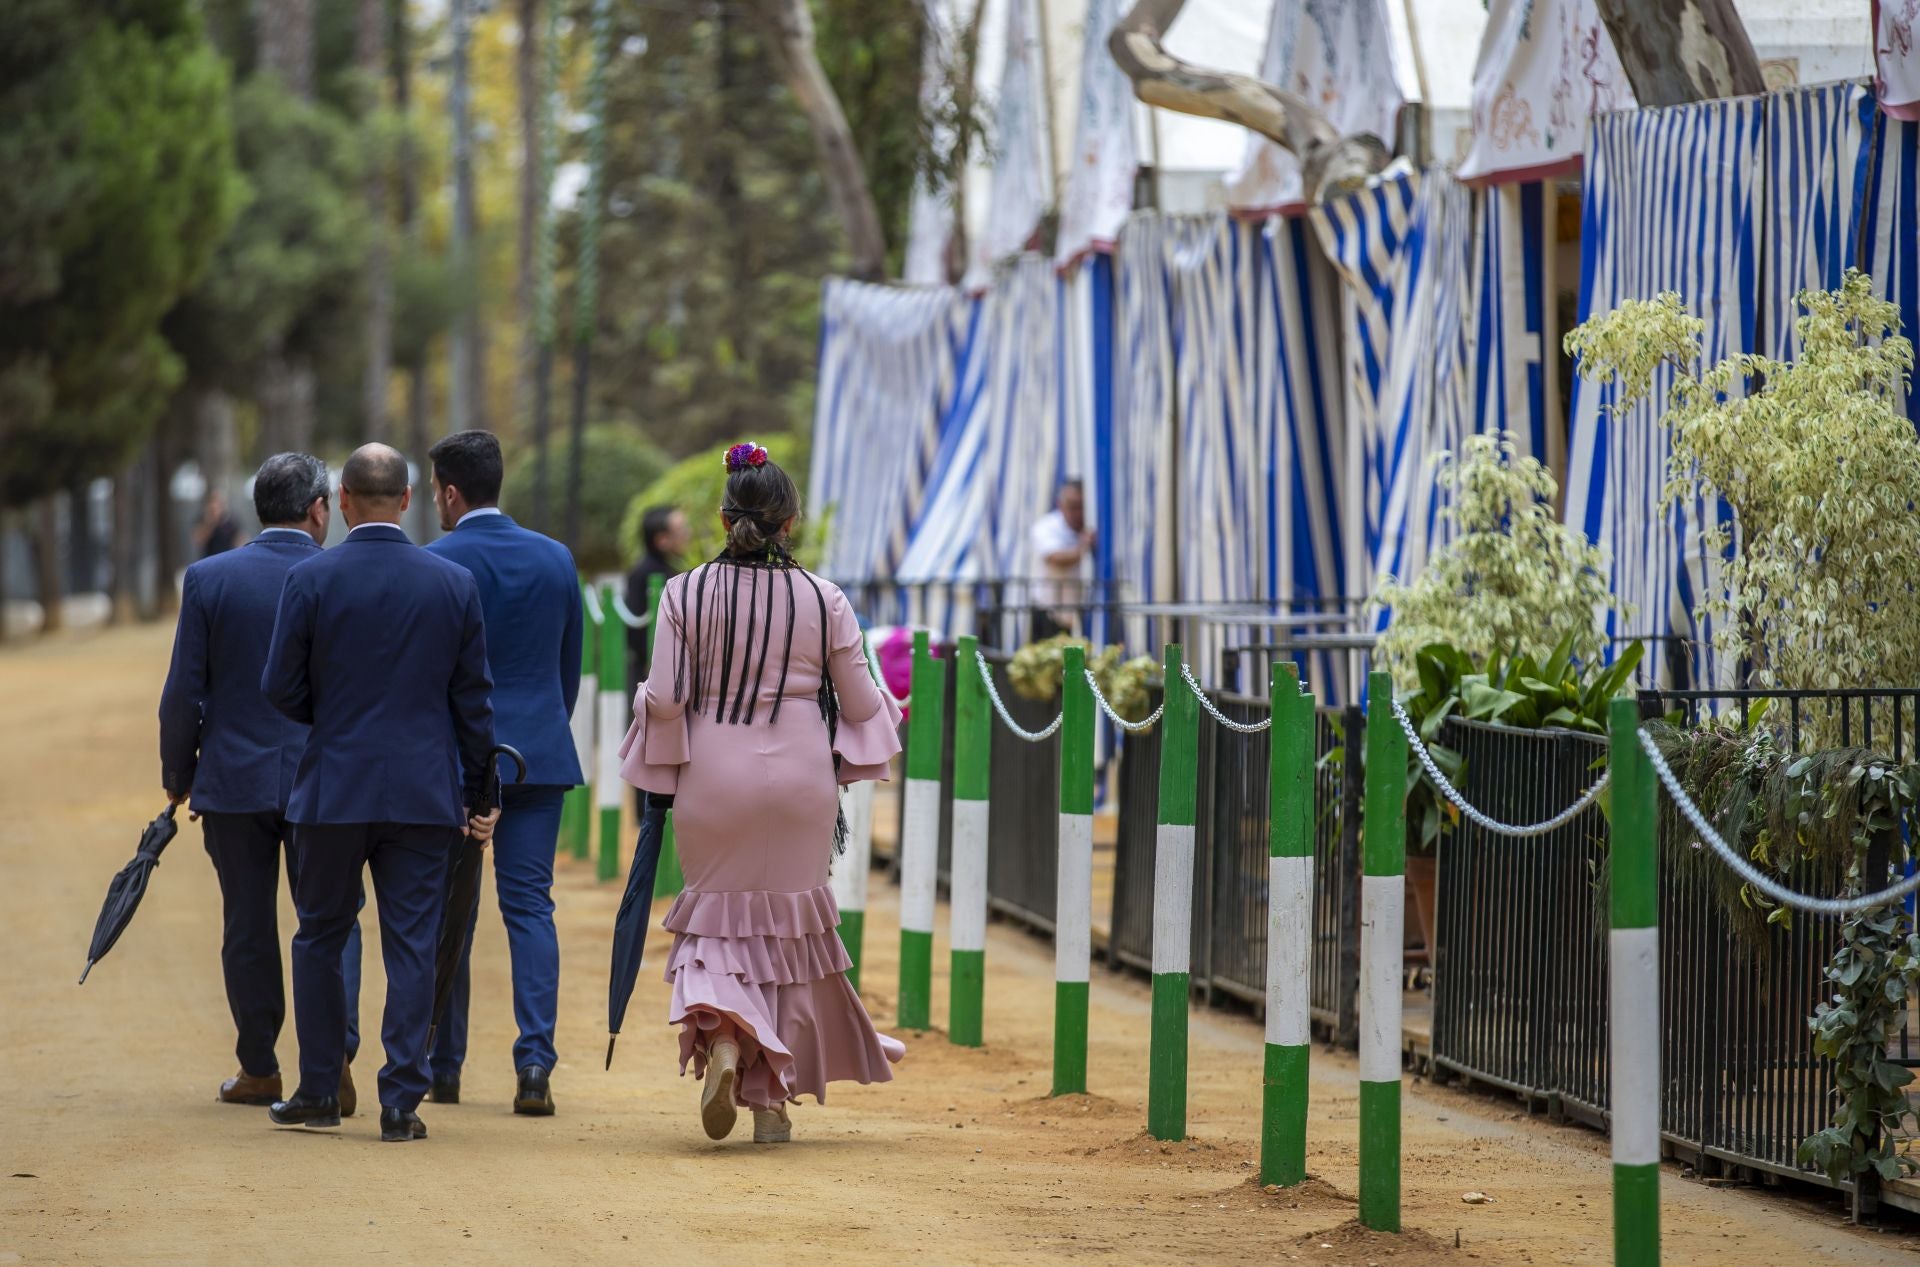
755 799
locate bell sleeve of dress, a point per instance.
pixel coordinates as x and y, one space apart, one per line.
869 733
656 744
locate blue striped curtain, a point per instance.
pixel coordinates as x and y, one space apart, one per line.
1671 202
1816 190
1512 290
1137 520
1892 234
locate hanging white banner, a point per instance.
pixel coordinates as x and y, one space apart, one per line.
1338 54
1100 181
1545 66
1022 173
1896 64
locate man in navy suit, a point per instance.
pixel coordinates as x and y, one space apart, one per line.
530 593
221 741
380 647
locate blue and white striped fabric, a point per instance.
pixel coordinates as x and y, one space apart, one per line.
1139 511
1816 158
888 362
1513 288
1892 235
1672 202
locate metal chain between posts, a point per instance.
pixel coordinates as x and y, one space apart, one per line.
1133 726
1186 672
1752 874
626 615
1495 826
993 694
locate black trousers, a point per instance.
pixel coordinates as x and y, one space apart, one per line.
245 849
409 867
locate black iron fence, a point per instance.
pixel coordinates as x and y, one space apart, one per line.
1231 847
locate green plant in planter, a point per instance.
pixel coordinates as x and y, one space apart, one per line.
1820 466
1516 691
1037 669
1785 810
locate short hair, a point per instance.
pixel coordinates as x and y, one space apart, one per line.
286 486
1075 485
470 461
656 520
375 472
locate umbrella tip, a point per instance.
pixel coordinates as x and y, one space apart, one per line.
610 1041
89 968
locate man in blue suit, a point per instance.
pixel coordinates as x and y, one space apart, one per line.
381 648
531 596
221 741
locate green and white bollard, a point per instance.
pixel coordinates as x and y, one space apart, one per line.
577 809
1173 842
972 759
667 880
849 877
1283 1107
1633 1002
1383 896
920 836
1073 903
616 714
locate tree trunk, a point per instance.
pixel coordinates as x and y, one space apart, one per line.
166 537
465 373
46 565
286 392
532 181
216 439
284 29
1329 162
83 554
787 26
370 55
1676 51
123 604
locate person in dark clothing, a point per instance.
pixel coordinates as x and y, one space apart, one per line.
216 533
664 538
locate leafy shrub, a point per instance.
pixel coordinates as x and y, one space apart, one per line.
1037 670
615 461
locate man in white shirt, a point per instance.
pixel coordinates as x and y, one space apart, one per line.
1062 562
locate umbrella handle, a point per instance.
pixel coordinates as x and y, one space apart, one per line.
519 762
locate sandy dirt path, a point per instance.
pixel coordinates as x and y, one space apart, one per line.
113 1150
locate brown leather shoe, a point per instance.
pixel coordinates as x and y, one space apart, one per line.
244 1088
349 1099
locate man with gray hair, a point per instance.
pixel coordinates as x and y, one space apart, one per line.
222 743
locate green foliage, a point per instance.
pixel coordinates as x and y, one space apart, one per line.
289 275
1511 576
615 461
1561 693
870 50
1037 670
1820 467
119 171
1872 973
695 486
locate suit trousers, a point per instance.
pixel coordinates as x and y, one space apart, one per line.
409 867
522 848
245 849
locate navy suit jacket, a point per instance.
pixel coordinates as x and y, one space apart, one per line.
218 733
530 594
381 648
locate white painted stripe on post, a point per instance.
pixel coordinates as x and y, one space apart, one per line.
613 725
850 869
1073 909
1172 898
582 724
969 902
919 855
1383 909
1633 1020
1289 951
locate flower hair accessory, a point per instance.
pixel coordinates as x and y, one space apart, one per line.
742 456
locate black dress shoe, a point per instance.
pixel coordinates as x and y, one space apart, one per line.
535 1096
445 1090
306 1110
398 1126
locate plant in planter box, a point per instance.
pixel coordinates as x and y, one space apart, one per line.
1036 671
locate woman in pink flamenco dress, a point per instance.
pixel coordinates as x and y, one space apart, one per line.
758 706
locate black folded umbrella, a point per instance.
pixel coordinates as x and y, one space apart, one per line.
128 887
463 892
636 906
